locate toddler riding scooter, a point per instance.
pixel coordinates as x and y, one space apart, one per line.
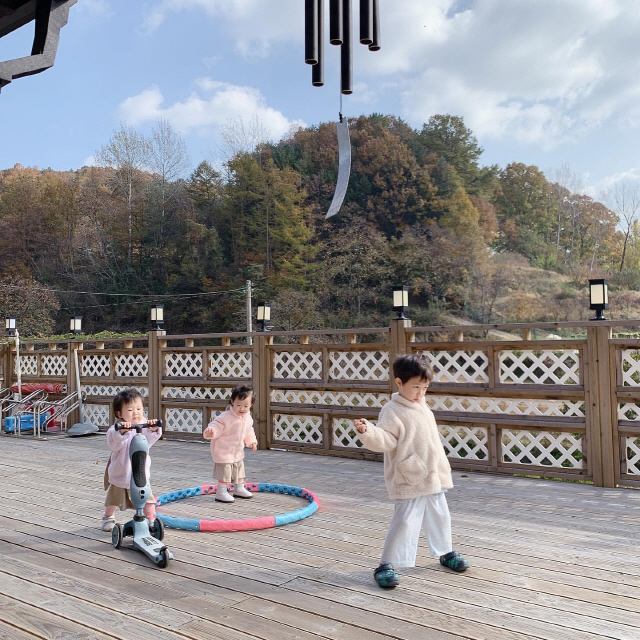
146 539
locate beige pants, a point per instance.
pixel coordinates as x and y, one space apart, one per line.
228 471
117 496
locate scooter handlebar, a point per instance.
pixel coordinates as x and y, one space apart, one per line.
139 427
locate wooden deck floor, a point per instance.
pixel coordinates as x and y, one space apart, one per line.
551 560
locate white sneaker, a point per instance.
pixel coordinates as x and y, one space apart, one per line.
242 492
222 495
108 523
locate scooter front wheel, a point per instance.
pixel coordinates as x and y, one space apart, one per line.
116 535
164 558
157 529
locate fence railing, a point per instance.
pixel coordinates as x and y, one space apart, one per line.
563 408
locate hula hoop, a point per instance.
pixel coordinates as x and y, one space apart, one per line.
244 524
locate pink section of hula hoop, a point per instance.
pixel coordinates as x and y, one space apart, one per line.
313 495
266 522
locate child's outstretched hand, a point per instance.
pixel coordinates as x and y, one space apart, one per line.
360 425
152 425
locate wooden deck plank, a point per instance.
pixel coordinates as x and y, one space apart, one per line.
550 560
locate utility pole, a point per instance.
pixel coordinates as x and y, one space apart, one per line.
249 314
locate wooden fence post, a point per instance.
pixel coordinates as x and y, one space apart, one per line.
7 371
261 374
602 415
154 374
72 383
397 346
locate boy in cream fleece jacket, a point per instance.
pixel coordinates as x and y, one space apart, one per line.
416 473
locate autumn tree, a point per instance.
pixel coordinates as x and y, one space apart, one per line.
127 153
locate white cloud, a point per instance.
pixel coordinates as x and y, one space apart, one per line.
100 8
601 187
540 72
254 24
212 104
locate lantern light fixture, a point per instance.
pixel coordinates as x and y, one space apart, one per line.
400 301
263 316
598 297
75 325
157 316
10 326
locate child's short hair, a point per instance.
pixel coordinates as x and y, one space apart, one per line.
126 396
412 366
243 391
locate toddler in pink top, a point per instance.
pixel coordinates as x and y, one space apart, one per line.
229 433
129 410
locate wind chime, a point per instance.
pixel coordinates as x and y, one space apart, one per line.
340 34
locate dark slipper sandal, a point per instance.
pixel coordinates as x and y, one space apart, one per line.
455 561
386 577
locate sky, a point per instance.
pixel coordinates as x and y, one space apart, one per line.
550 83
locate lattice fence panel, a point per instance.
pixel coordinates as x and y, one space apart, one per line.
227 364
28 365
628 411
631 367
632 446
95 366
560 450
97 414
182 420
458 366
467 443
330 398
540 367
183 365
297 429
305 365
99 390
198 393
213 414
508 406
132 365
359 365
345 434
54 365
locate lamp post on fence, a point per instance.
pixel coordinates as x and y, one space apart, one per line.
401 301
157 317
598 297
75 325
12 330
263 316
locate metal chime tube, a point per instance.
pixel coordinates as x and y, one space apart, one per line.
366 22
335 21
311 10
346 51
375 43
317 71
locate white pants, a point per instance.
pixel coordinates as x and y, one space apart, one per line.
429 512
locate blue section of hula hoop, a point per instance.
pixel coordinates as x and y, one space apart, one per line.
269 487
294 516
179 523
179 495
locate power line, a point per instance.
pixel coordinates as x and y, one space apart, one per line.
128 295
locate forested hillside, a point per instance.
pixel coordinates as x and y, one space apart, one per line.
485 243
